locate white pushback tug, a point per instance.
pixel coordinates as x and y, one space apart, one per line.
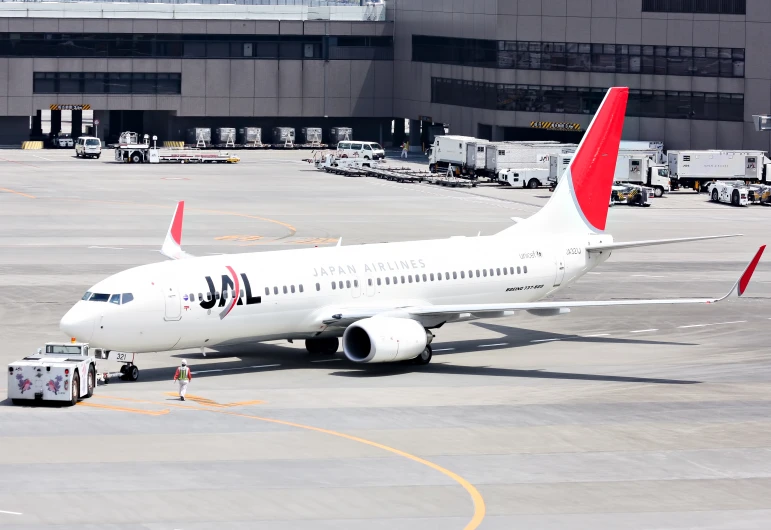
60 371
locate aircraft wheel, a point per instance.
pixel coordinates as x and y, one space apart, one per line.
132 373
424 357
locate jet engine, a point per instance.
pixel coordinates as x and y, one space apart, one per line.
384 340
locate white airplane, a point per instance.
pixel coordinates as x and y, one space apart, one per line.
384 300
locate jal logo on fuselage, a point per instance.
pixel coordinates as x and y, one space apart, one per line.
230 282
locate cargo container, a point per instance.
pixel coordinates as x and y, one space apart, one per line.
283 136
200 136
251 136
693 169
340 134
310 135
225 136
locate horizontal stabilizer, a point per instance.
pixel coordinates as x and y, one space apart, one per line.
650 242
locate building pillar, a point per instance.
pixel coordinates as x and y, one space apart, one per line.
415 136
77 124
56 122
36 133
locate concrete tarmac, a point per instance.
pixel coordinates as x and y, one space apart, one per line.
605 418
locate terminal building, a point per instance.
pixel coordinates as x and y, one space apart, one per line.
496 69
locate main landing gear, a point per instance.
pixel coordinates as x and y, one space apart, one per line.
424 357
322 346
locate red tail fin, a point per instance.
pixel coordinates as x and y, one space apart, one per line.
594 165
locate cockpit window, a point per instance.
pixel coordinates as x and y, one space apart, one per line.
99 297
86 296
127 297
115 299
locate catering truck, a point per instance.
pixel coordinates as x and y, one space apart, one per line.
632 167
694 169
449 150
63 372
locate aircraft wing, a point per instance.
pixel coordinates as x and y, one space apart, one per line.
650 242
432 312
172 245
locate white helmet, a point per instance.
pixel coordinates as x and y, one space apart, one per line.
184 362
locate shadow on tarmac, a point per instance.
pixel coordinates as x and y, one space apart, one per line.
258 357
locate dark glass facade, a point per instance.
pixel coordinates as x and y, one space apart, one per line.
581 57
584 100
106 83
716 7
194 46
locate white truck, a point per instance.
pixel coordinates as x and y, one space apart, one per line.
694 169
476 158
449 150
525 155
734 192
63 372
131 150
520 177
632 167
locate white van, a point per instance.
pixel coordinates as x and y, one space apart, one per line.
88 147
368 150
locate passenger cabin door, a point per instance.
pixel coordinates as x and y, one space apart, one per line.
173 303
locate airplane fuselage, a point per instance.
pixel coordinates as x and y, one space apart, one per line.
288 294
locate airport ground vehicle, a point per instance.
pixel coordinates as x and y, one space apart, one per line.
61 371
517 155
61 140
759 193
88 147
366 150
385 300
449 150
733 192
522 177
694 169
131 149
632 167
631 195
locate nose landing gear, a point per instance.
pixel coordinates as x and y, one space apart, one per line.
129 372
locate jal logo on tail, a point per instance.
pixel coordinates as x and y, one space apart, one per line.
230 282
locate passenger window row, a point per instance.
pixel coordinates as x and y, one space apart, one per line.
388 280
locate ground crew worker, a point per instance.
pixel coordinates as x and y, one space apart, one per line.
183 377
405 149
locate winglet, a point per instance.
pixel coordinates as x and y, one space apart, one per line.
741 284
172 246
744 281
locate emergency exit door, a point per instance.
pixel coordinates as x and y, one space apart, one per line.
560 263
173 303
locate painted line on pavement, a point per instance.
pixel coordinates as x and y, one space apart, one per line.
693 326
105 248
476 498
646 276
545 340
450 349
733 322
11 513
598 335
230 369
123 409
643 330
491 345
326 360
27 195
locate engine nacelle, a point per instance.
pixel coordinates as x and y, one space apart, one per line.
384 340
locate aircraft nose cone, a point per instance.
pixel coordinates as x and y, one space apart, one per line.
78 325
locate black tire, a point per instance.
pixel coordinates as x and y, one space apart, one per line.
425 357
19 401
91 382
136 158
133 373
366 157
533 184
735 198
714 196
97 156
75 390
658 192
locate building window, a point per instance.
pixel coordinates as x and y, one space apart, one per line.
581 57
715 7
106 83
584 100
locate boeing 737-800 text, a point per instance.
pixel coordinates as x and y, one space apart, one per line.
384 300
